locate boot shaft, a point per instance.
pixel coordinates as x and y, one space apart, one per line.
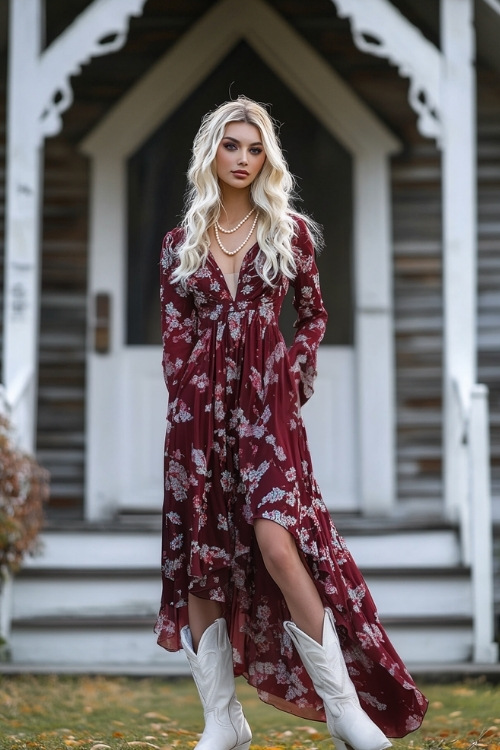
212 664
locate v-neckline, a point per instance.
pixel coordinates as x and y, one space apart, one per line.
221 272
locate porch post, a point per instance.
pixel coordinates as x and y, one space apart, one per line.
22 221
39 90
459 241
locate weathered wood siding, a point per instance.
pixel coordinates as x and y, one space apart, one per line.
61 395
418 323
489 261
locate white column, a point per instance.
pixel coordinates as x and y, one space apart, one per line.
34 112
459 238
22 223
374 335
485 648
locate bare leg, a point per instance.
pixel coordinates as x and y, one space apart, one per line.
286 568
202 613
349 725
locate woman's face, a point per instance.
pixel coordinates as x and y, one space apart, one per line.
240 155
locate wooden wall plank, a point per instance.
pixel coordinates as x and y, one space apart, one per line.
488 323
416 185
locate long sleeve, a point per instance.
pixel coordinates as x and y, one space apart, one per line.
312 315
178 318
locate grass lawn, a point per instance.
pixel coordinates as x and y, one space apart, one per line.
55 713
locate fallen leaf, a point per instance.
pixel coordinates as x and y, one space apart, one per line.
308 730
100 746
154 715
490 732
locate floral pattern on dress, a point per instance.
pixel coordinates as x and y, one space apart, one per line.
235 451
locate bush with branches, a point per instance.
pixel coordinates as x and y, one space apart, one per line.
24 488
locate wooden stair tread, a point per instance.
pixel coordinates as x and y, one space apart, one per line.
134 620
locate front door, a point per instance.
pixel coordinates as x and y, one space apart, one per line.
127 395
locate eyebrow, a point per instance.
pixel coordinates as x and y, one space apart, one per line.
235 140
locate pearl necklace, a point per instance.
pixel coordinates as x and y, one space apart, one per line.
233 252
230 231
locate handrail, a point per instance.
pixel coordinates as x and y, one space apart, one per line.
4 402
18 387
476 518
15 403
462 498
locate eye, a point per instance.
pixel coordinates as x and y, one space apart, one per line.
256 150
230 146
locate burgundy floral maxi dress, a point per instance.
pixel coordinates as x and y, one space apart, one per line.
235 451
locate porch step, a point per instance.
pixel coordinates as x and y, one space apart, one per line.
105 640
130 639
93 595
49 592
392 544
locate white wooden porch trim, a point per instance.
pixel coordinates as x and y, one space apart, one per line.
475 515
159 93
442 93
481 530
494 5
38 92
100 29
22 220
459 236
379 29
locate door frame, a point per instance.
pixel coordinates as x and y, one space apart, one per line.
348 119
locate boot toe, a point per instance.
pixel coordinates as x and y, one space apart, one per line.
354 728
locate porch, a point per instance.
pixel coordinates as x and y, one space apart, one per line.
91 602
419 511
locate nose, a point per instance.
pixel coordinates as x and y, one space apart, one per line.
243 158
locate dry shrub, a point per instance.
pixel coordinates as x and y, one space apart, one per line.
24 488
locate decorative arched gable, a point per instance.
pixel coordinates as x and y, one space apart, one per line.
160 92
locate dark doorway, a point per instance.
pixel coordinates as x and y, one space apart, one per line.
157 183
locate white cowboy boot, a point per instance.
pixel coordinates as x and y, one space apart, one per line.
212 666
347 722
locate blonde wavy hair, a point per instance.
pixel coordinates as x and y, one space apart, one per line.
271 193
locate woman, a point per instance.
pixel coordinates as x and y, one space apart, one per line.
256 580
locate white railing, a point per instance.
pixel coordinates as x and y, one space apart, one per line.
475 518
4 403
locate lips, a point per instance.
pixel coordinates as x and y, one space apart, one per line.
240 173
